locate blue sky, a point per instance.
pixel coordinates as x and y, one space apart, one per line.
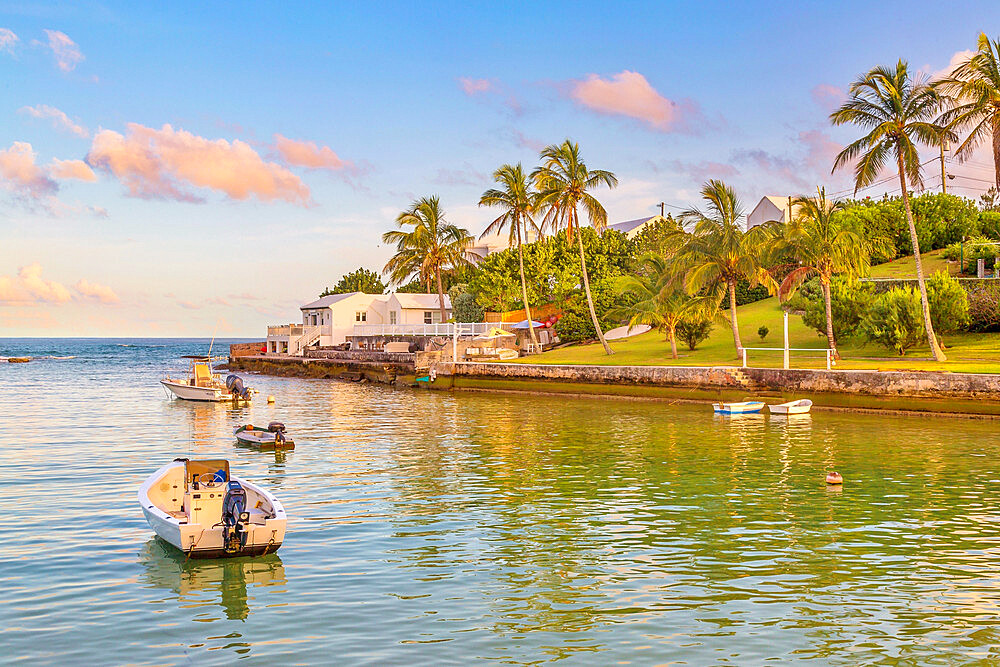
384 104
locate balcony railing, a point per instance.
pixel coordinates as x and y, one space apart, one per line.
285 330
445 329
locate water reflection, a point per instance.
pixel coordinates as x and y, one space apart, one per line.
199 583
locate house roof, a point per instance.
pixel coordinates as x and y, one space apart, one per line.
421 301
330 299
629 225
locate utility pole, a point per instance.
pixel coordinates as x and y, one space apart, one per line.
662 204
944 176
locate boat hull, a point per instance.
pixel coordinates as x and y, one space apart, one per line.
265 441
791 408
745 408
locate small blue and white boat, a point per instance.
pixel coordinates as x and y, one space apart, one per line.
742 408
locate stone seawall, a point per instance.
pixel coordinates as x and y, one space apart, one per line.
386 371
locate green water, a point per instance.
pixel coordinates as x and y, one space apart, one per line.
431 528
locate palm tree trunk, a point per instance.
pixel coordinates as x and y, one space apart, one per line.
444 312
996 147
732 317
590 300
524 286
829 318
925 305
673 342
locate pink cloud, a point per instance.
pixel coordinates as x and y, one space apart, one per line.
821 151
72 169
97 292
20 174
473 87
161 163
957 59
65 50
218 301
245 296
630 94
190 305
699 172
308 154
59 119
828 97
491 89
28 286
26 318
8 40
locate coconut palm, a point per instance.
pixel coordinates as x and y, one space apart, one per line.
974 88
427 246
823 248
563 182
516 199
719 253
898 112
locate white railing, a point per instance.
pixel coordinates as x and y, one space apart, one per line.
308 337
285 330
445 329
786 350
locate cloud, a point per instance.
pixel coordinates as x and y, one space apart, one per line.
699 172
245 297
190 305
8 40
308 154
490 88
473 87
72 169
163 163
28 286
60 120
466 175
828 97
957 59
20 174
218 301
96 292
65 50
630 94
27 318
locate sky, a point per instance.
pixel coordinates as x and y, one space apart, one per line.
177 169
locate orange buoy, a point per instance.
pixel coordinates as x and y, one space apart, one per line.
834 478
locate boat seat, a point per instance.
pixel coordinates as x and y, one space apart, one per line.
257 516
178 514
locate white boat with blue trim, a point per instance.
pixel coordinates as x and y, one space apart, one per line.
738 408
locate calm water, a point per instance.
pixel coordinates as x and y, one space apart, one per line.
435 528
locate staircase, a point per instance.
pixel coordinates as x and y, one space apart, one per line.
738 377
308 337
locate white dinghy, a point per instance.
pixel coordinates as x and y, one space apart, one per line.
199 508
799 407
202 384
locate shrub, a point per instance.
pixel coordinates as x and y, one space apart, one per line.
989 224
984 308
949 304
575 324
693 330
746 294
894 319
848 303
465 308
763 331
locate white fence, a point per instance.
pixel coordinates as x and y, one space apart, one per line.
827 352
445 329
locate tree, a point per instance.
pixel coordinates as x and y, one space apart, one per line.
718 253
563 181
517 200
949 303
427 246
974 90
823 248
897 111
359 280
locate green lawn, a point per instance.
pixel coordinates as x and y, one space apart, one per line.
905 267
970 353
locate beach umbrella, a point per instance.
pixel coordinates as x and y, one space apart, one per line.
523 324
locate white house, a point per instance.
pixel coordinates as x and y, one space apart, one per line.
330 320
772 207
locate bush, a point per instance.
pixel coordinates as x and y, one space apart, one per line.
575 324
984 308
894 319
746 294
848 303
948 302
465 309
763 331
693 330
989 224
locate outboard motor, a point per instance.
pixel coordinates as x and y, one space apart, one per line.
234 383
278 429
234 518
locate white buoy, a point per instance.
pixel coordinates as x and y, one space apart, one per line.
270 398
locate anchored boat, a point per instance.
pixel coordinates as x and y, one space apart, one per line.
740 408
799 407
199 508
273 437
202 384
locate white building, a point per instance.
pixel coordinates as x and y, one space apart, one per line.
331 319
771 208
632 228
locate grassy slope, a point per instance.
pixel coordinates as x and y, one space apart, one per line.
904 267
971 353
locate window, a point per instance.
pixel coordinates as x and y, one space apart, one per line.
392 317
361 316
428 317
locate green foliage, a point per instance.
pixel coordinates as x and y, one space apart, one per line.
989 224
359 280
763 331
659 236
894 319
746 294
984 308
575 325
413 287
949 304
465 309
694 329
849 300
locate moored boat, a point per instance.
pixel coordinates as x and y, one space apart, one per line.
202 384
738 408
199 508
272 437
798 407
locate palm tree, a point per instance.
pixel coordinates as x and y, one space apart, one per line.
563 182
516 199
661 301
975 90
898 112
430 247
719 253
823 248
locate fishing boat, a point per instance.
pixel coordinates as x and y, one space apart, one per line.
740 408
196 506
799 407
202 384
272 437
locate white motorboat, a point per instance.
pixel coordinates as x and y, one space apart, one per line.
799 407
272 437
199 508
204 385
738 408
